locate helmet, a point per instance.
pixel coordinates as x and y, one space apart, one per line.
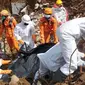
48 11
25 18
59 2
4 13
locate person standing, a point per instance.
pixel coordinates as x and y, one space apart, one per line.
25 32
7 29
60 12
48 26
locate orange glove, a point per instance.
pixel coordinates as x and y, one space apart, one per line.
6 61
5 71
21 41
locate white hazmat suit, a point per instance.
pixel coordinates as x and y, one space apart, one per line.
60 14
69 34
25 32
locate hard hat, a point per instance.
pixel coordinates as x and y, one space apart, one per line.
25 18
59 2
48 11
4 13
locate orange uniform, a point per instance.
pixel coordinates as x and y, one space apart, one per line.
47 29
8 28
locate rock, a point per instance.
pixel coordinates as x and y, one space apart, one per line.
14 80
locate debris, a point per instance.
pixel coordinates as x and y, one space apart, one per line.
14 80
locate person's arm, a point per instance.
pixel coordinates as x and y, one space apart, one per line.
42 40
55 26
17 35
21 41
14 22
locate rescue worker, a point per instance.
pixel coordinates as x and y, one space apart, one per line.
63 57
7 29
25 32
70 35
48 27
59 12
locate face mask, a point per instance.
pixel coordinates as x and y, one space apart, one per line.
3 18
47 16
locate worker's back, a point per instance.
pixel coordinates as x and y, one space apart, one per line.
73 27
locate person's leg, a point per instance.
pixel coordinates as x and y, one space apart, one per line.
41 72
69 52
55 37
15 43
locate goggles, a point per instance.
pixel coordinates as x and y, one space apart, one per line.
26 24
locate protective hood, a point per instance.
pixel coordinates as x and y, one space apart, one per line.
26 19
